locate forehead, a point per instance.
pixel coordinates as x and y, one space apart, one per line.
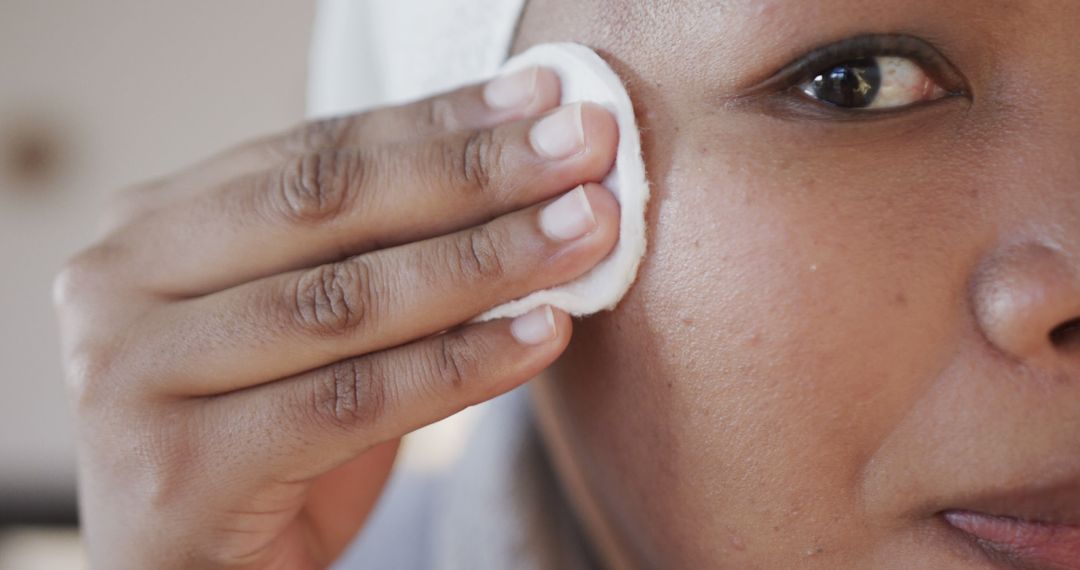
622 11
747 17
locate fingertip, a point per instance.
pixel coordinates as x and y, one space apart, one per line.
607 212
538 337
603 202
544 327
564 327
548 91
520 94
601 136
536 327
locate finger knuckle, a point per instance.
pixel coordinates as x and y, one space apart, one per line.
82 275
473 162
319 135
458 361
480 255
351 394
66 284
335 299
317 187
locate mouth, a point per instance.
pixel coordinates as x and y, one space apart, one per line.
1038 530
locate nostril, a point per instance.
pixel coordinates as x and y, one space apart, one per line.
1066 334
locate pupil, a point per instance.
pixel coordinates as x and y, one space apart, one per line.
851 84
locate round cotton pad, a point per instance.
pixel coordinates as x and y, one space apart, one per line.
587 77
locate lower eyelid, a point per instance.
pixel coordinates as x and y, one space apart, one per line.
797 106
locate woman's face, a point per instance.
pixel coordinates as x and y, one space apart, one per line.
846 324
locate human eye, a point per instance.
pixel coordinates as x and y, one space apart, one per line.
881 82
861 76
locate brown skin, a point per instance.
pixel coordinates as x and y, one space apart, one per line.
841 328
249 342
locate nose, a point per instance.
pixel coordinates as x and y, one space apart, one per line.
1027 303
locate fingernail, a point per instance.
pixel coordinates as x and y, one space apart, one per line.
535 327
569 217
511 91
559 135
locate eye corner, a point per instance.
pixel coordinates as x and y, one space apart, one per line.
963 90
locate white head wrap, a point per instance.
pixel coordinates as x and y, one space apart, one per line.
374 52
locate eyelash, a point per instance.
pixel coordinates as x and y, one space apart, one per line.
781 93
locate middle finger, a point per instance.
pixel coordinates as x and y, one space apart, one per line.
334 204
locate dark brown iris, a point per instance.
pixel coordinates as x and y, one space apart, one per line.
852 84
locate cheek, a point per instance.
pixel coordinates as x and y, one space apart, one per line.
775 336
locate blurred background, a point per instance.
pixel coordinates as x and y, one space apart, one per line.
94 97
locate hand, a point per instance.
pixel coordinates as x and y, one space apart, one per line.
252 337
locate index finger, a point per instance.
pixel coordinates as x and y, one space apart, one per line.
516 96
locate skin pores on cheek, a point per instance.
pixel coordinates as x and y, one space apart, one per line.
777 333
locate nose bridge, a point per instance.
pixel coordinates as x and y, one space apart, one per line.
1034 104
1026 288
1031 170
1053 140
1044 65
1044 152
1041 179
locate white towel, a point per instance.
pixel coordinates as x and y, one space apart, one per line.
388 51
373 52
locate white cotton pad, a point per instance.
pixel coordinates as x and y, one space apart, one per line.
587 77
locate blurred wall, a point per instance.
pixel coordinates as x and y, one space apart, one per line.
96 96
